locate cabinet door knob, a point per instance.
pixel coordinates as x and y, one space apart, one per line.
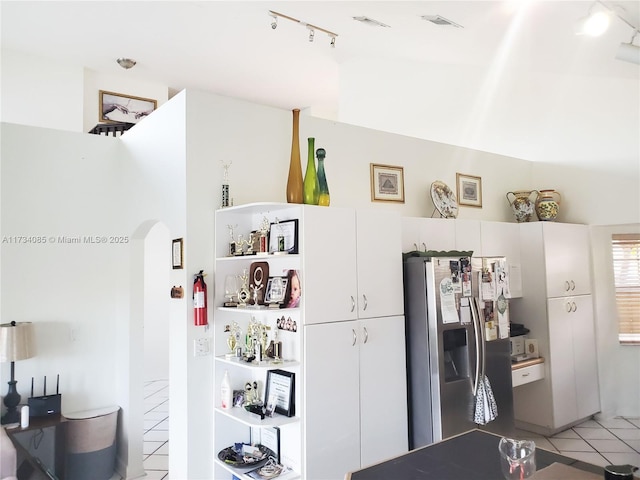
353 303
567 286
355 338
568 307
573 285
575 307
364 297
366 334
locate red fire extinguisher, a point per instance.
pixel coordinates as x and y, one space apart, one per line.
199 299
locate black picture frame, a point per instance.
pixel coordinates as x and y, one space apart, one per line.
288 229
177 253
281 385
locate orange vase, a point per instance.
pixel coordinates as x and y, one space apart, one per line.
294 183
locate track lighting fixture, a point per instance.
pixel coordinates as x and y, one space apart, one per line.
597 22
629 52
312 28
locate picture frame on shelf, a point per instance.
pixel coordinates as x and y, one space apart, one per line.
469 190
283 237
118 107
280 386
387 183
276 290
293 290
177 252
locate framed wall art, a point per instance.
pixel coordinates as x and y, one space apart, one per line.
177 254
387 183
469 190
116 107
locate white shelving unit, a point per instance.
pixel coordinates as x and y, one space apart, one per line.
236 424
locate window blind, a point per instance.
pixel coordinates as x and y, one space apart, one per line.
626 270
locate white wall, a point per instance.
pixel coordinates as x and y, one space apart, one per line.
567 119
45 93
619 366
41 92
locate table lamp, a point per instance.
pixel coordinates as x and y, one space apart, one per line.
16 343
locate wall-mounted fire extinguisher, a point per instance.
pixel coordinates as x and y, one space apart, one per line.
199 299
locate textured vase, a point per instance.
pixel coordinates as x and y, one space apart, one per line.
323 197
294 182
548 205
523 205
311 187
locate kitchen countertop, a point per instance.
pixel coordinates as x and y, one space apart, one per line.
526 363
470 455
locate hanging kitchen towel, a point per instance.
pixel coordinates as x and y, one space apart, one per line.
486 409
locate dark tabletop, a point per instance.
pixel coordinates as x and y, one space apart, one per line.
471 455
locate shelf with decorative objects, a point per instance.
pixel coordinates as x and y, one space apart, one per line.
258 345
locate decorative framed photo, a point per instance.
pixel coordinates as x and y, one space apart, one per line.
387 183
283 237
280 390
276 290
116 107
469 190
177 254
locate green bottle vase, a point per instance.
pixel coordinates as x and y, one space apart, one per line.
323 197
294 180
311 189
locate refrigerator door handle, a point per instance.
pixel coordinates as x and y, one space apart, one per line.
478 339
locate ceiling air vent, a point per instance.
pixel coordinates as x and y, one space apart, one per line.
371 22
438 20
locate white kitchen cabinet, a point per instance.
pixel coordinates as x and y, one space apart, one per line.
468 237
563 324
572 340
502 239
356 395
567 258
353 264
427 234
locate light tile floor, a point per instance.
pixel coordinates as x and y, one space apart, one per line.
614 441
156 430
600 442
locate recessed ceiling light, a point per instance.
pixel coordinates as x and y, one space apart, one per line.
371 22
439 20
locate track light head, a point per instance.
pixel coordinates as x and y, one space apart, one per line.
274 22
629 52
333 42
312 33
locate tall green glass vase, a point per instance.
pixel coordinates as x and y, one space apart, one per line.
323 197
311 187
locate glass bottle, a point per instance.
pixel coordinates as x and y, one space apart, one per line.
311 188
294 182
323 197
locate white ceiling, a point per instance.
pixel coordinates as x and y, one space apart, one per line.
229 47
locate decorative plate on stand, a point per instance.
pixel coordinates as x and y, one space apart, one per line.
444 199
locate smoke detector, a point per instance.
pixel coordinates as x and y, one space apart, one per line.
441 21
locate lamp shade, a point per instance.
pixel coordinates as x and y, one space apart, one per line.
16 341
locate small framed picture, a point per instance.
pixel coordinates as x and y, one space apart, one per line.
280 390
116 107
469 190
276 290
283 237
387 183
176 254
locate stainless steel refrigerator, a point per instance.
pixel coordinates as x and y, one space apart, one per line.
455 309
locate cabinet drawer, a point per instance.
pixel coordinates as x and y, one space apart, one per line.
527 374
